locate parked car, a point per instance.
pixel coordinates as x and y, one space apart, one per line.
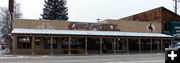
3 46
175 45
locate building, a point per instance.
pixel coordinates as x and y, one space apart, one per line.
160 14
65 37
170 21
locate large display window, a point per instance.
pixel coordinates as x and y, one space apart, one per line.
64 42
133 44
77 43
156 44
24 42
145 44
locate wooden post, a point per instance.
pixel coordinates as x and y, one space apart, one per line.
32 45
14 44
51 53
69 45
127 45
100 45
86 52
151 44
59 43
139 45
114 46
162 45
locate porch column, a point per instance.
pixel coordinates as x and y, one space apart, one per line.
69 45
86 52
162 45
51 53
100 45
127 45
151 44
14 44
139 45
32 45
114 48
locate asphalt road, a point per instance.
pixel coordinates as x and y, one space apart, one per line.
125 58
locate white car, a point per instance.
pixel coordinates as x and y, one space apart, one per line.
175 45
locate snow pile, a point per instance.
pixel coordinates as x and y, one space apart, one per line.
4 51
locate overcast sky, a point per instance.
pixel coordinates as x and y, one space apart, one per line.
90 10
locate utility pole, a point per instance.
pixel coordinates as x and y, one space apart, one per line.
176 5
11 10
98 20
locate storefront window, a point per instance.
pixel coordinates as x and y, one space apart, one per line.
47 42
38 43
78 43
120 44
156 44
107 45
93 44
145 44
64 42
24 42
133 44
55 42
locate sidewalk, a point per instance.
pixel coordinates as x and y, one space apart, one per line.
118 58
75 55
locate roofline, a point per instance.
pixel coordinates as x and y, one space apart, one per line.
53 20
151 10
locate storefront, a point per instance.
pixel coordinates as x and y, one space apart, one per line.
56 37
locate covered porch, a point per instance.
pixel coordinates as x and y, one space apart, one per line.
35 41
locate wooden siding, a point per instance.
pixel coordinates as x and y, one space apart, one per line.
160 14
123 26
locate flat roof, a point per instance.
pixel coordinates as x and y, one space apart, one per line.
82 32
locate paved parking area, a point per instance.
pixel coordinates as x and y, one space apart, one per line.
119 58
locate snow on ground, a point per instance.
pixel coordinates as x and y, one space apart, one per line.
15 57
1 53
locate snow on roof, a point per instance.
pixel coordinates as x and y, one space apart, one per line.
80 32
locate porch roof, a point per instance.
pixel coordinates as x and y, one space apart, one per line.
80 32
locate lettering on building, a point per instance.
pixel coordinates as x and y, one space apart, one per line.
90 26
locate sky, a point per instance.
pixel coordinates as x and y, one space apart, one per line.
90 10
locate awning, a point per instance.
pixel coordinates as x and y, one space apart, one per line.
79 32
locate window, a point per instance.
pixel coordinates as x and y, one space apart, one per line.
55 42
156 44
24 42
47 43
78 43
93 44
120 44
64 43
133 44
145 44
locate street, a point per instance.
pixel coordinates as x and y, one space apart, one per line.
119 58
